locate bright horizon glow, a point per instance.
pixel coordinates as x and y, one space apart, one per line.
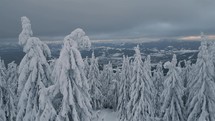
210 37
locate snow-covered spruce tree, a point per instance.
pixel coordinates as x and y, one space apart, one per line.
52 63
211 50
132 67
172 108
158 79
12 80
105 78
12 84
201 101
95 84
47 111
117 77
186 75
34 73
117 74
112 94
149 84
7 108
2 92
124 89
86 67
140 105
147 67
70 92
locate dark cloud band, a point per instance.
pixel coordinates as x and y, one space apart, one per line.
109 19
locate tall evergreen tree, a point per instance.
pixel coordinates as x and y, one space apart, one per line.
149 85
173 107
12 79
70 92
95 84
117 82
106 77
186 75
7 107
47 111
201 101
112 95
86 67
211 51
12 84
34 73
158 79
186 72
124 89
117 74
2 91
140 106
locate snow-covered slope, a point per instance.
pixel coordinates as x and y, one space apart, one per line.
107 115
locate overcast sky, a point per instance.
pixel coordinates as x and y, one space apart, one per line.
109 19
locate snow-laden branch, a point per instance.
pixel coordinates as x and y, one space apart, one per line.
28 42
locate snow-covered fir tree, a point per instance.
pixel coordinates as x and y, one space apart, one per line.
172 108
140 105
147 67
34 73
12 80
112 94
201 101
70 92
12 84
95 84
124 89
52 64
117 77
186 72
158 79
149 84
186 75
211 50
117 74
86 67
47 111
2 91
106 77
7 107
132 67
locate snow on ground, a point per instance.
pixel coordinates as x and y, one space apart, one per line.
117 54
107 115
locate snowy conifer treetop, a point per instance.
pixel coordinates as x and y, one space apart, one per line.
78 39
26 30
71 82
172 107
201 98
34 74
169 65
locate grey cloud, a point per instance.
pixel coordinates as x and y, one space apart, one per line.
109 18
